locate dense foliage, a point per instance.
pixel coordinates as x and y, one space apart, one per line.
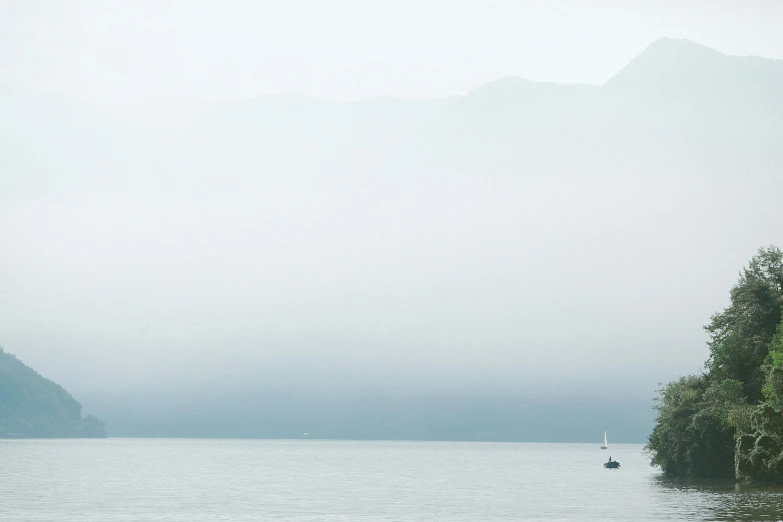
728 422
32 406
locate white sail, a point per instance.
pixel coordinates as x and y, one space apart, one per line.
604 445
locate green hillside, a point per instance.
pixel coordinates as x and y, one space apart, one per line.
32 406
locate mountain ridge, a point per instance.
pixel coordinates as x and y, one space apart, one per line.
32 406
475 227
674 63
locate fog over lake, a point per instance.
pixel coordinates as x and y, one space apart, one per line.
240 213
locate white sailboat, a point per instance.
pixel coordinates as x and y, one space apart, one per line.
604 445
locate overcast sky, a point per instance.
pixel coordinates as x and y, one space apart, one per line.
112 51
507 240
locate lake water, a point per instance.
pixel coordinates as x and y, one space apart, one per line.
236 480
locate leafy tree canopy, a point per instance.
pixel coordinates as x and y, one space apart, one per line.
728 422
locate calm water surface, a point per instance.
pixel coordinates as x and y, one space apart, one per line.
236 480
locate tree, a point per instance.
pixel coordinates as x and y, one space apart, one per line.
692 434
773 387
740 334
728 421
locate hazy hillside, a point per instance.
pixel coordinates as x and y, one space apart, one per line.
32 406
374 413
523 232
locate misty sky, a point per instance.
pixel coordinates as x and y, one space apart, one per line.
286 233
349 49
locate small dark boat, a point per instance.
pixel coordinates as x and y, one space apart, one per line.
612 464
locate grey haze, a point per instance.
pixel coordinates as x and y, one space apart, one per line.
526 260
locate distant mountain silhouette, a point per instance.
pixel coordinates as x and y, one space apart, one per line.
669 64
558 220
675 96
32 406
378 416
